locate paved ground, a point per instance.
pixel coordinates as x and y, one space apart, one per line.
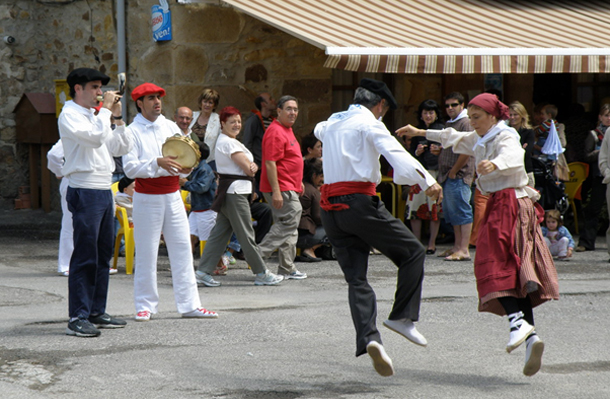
291 341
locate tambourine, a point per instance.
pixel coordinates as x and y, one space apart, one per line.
184 149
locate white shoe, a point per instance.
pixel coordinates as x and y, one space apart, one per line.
381 360
520 329
143 315
201 313
65 274
406 328
533 355
113 271
205 279
296 275
268 279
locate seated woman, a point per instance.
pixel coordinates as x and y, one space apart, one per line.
311 233
311 147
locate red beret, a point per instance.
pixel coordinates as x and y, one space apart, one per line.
145 89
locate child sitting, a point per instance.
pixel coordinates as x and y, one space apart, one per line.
124 197
557 237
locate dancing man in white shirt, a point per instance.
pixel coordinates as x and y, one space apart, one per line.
355 219
158 207
89 145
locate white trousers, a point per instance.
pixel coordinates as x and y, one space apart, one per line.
153 214
66 240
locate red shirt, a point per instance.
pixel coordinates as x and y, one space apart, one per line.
280 145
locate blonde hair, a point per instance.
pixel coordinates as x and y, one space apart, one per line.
209 94
519 108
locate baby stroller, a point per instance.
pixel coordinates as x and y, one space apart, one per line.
551 190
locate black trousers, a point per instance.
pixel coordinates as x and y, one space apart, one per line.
352 232
591 213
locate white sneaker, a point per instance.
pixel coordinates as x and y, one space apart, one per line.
381 360
113 271
206 279
520 329
65 274
406 328
297 275
143 315
201 313
533 355
268 279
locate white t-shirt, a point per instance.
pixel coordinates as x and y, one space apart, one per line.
225 147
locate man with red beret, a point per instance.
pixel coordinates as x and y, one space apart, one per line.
158 207
89 145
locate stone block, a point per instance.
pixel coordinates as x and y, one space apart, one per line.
185 95
190 64
157 65
278 54
8 134
256 73
209 24
308 90
317 113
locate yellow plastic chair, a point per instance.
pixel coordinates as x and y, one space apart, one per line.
127 231
115 187
201 247
578 174
184 195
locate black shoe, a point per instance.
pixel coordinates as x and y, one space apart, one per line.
306 258
82 328
107 321
239 255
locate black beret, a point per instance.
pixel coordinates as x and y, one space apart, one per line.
379 88
84 75
124 182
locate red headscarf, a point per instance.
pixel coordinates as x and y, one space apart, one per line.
490 104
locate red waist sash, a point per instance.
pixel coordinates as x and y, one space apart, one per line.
158 185
344 188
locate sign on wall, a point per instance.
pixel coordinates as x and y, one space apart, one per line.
161 22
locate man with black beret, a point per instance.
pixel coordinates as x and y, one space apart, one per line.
89 146
356 220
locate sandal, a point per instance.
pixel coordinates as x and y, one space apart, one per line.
445 253
430 251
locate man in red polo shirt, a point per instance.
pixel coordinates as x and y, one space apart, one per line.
281 183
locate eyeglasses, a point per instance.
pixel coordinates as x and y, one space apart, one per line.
452 105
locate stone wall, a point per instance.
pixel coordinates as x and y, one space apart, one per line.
213 46
219 47
52 38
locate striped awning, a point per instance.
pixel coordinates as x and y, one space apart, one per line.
447 36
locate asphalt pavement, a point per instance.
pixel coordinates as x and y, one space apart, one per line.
295 340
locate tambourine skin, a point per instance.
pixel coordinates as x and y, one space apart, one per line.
184 149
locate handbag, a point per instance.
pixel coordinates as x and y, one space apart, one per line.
561 171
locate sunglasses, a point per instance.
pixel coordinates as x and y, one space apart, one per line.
452 105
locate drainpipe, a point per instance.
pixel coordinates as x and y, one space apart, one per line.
122 54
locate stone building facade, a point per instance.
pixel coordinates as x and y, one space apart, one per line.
213 45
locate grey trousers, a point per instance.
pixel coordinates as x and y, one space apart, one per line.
234 216
283 235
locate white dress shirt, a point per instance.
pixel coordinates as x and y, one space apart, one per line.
149 137
353 141
89 145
